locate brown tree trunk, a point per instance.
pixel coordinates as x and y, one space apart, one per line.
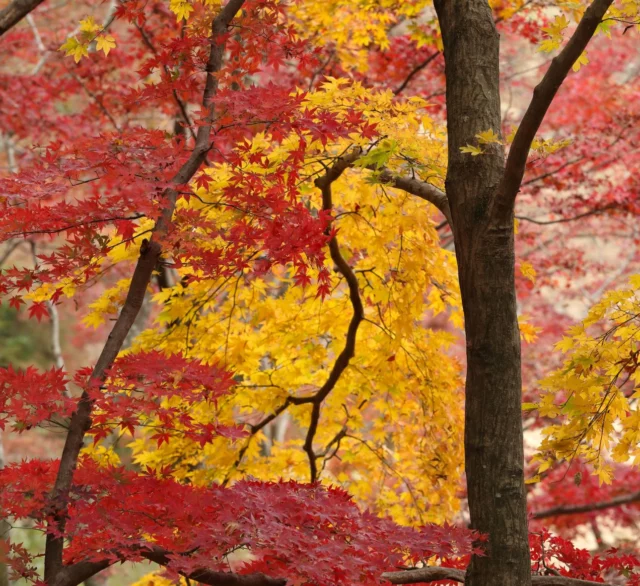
485 253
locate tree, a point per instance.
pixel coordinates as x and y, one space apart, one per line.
238 200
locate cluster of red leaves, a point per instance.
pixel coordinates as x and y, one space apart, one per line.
139 391
307 533
576 485
29 397
551 554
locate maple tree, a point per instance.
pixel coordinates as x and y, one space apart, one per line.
280 179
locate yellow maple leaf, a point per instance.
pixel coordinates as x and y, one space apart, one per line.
472 150
488 137
74 48
88 25
105 43
181 8
582 60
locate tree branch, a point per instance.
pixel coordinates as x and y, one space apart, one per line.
618 501
213 578
149 256
411 185
79 572
417 69
15 12
543 95
593 212
348 351
433 573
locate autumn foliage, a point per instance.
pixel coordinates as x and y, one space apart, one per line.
244 205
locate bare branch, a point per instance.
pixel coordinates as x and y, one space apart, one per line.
429 574
593 212
420 189
213 578
149 256
15 12
618 501
432 573
417 69
543 95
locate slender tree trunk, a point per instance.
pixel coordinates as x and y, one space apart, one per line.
4 528
485 253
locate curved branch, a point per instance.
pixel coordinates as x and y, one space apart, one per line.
543 95
593 212
433 573
411 185
15 12
417 69
348 351
618 501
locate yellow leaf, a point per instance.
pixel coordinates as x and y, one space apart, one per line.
88 25
105 43
473 151
488 137
582 60
181 8
73 48
527 270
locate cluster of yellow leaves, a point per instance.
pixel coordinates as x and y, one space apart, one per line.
593 398
90 32
352 28
626 12
101 454
157 579
397 409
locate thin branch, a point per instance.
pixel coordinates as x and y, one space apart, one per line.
349 349
543 95
417 69
148 260
15 12
558 511
410 185
433 573
564 220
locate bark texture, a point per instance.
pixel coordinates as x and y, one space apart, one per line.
14 12
485 252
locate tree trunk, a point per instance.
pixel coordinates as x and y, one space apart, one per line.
485 252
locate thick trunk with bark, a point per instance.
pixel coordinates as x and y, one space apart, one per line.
485 252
